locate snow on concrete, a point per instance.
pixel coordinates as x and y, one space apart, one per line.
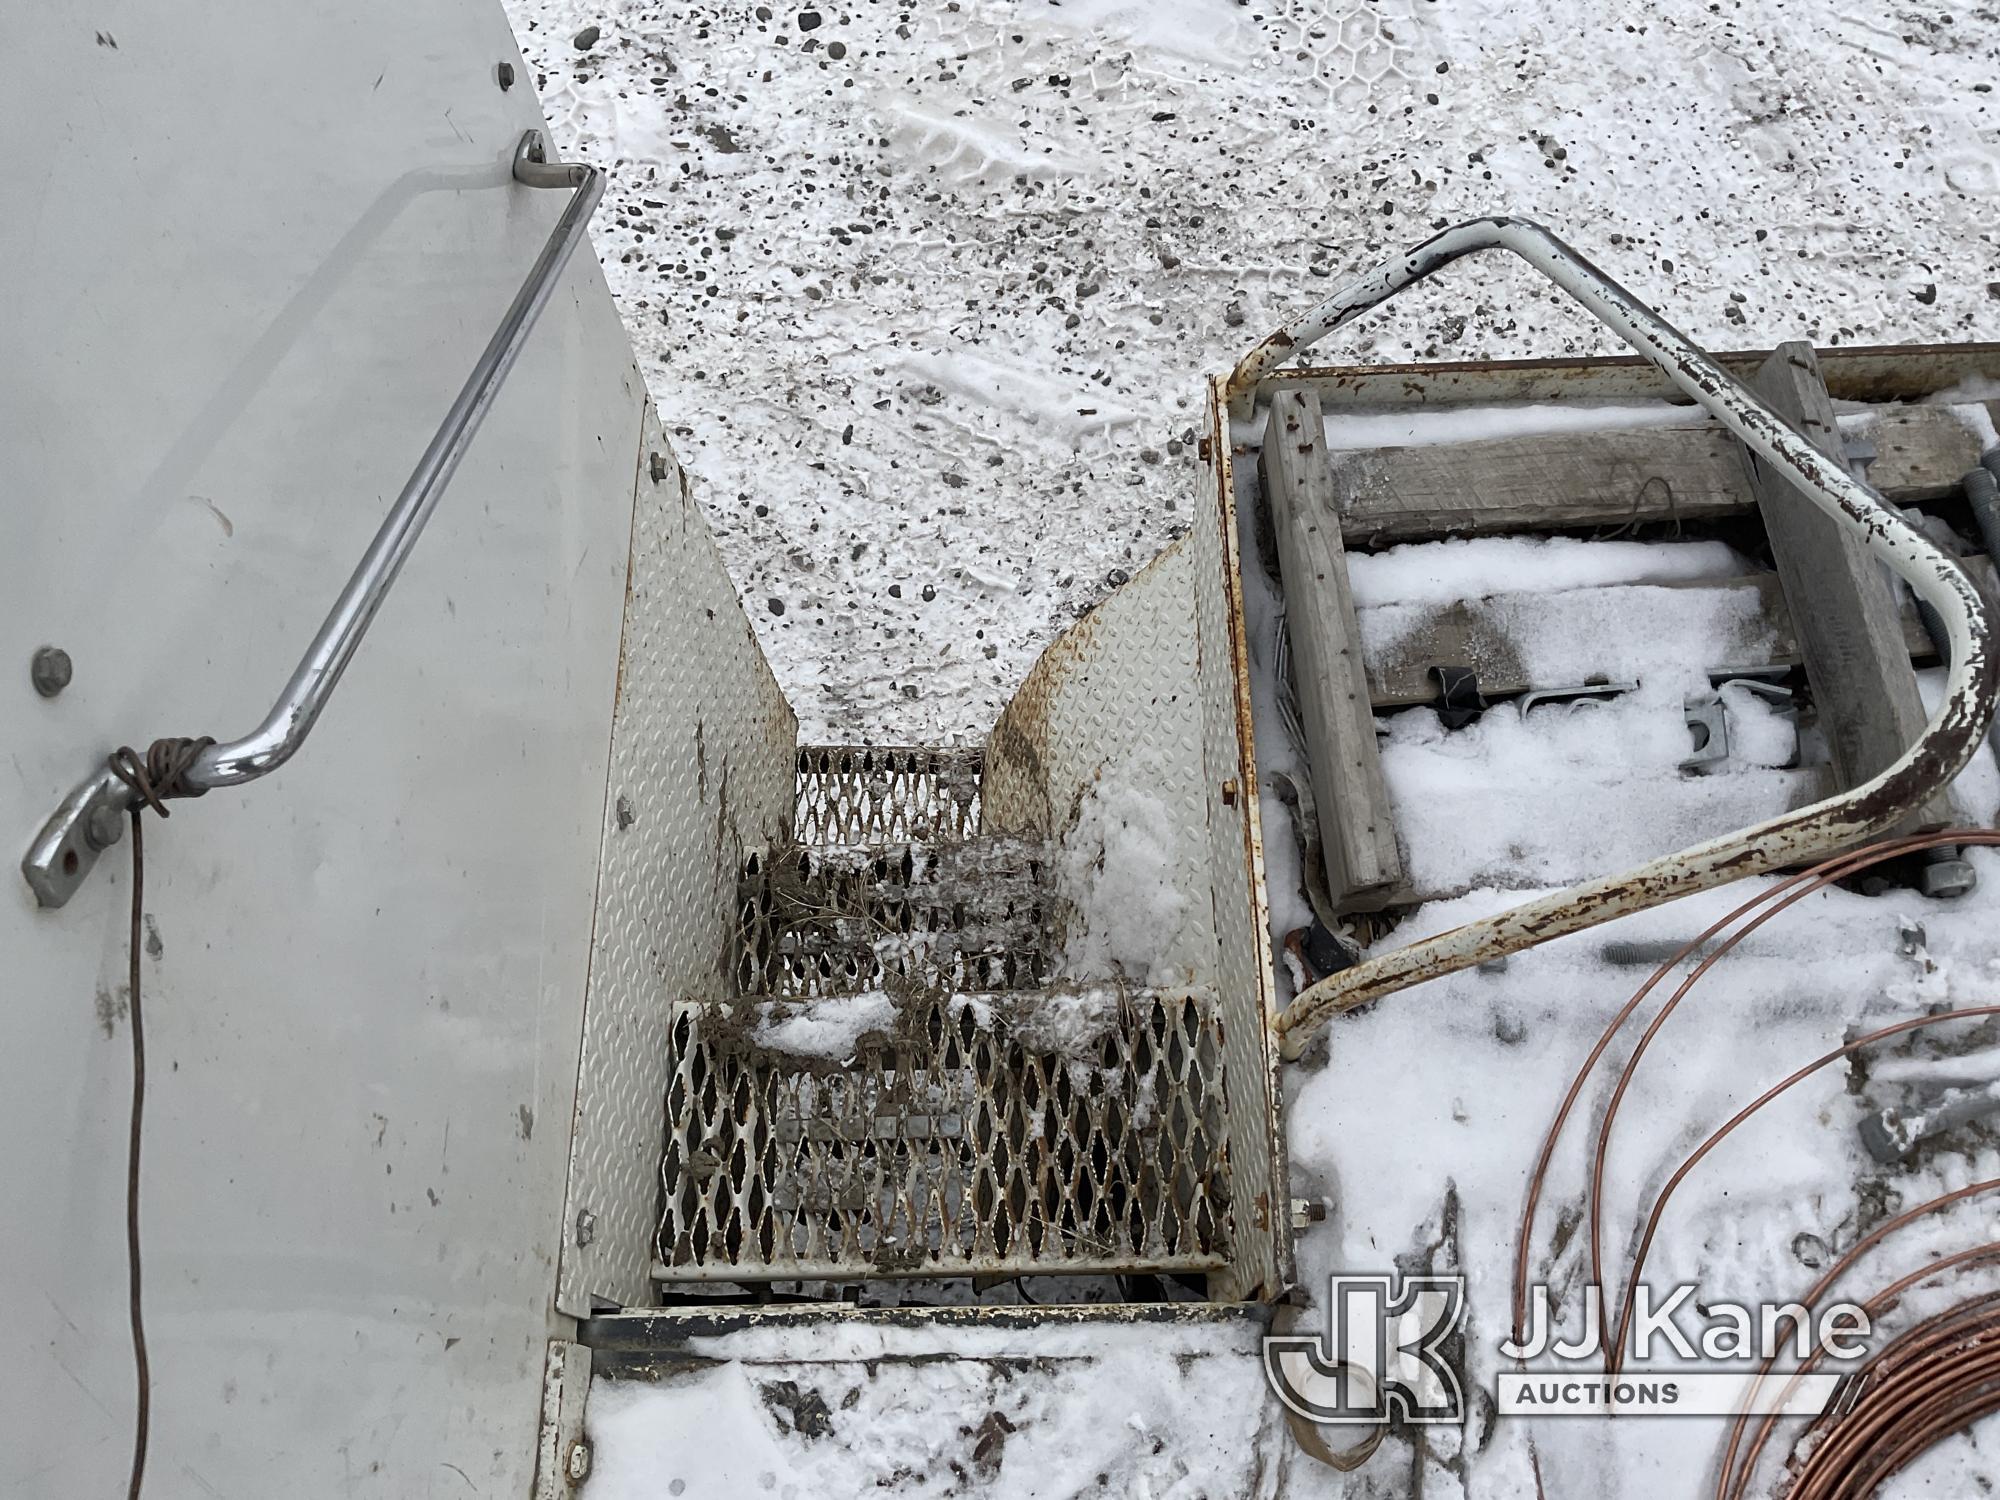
1102 1412
924 294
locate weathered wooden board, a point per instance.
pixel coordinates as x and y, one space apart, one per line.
1843 603
1874 373
1542 482
1357 836
1560 480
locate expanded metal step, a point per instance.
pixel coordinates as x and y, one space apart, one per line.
1053 1132
886 794
976 915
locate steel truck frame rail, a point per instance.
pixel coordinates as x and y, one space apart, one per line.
90 819
1799 837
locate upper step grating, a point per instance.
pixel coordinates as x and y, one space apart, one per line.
887 794
976 915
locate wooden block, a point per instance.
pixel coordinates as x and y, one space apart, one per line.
1357 835
1554 481
1922 451
1843 603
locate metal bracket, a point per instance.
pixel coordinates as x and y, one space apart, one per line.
1583 695
1708 722
563 1456
1708 718
1459 701
1893 1134
87 821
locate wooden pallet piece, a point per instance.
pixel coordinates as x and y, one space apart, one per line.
1842 602
1357 834
1556 481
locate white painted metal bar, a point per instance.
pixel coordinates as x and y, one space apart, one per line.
1799 837
88 819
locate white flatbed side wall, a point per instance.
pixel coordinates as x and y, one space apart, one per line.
251 252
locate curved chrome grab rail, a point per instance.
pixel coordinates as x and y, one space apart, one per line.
90 819
1798 837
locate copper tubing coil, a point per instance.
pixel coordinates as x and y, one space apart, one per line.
1933 1380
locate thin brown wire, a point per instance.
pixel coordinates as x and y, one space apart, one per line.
1538 1177
155 777
1616 1349
142 1422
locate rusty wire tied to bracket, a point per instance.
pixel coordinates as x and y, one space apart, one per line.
1797 837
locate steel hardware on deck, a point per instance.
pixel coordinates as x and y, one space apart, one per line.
87 821
1948 742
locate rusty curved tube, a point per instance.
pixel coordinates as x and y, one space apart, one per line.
1797 837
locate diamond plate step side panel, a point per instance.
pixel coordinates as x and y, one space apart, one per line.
703 747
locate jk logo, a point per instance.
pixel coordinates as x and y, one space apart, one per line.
1380 1356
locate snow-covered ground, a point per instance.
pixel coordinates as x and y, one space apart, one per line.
925 293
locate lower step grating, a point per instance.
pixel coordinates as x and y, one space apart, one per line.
1055 1132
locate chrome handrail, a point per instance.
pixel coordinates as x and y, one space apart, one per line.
90 820
1794 838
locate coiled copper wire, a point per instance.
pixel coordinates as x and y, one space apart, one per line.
1936 1378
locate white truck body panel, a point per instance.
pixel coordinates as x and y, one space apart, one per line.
252 252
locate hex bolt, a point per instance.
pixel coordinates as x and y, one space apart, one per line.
657 466
1892 1135
104 827
578 1465
1945 875
503 74
1229 792
50 670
